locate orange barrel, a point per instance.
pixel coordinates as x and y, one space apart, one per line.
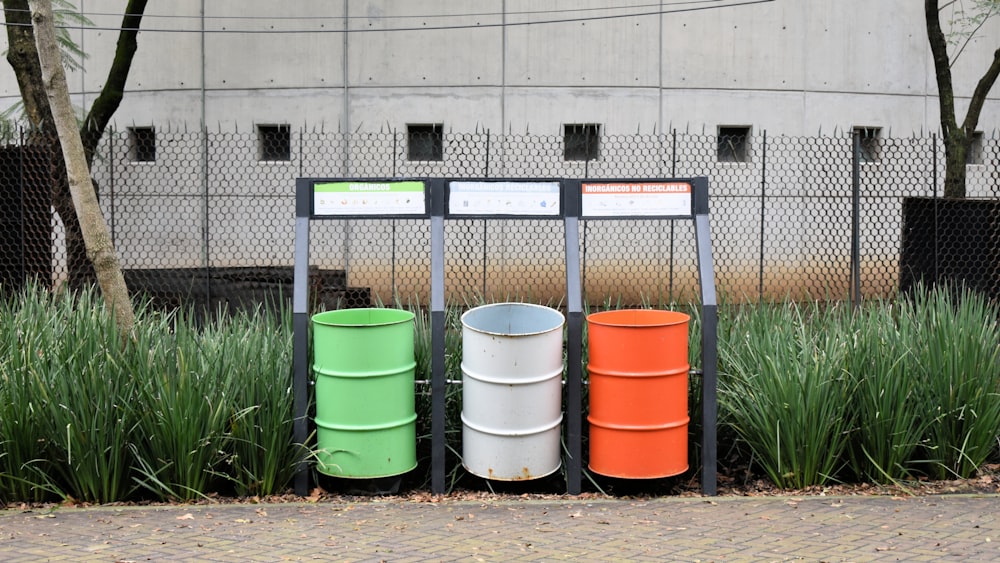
638 370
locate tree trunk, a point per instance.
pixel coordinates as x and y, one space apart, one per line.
22 54
953 137
96 236
957 139
23 58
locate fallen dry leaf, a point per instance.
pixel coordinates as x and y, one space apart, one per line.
187 516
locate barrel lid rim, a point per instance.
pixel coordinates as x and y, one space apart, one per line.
404 317
677 318
481 308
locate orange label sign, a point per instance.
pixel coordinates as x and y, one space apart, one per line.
638 188
625 199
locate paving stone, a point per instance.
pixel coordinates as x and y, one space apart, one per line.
864 528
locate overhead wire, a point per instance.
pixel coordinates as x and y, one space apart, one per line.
477 25
403 16
408 16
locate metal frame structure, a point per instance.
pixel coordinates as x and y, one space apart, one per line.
699 215
436 194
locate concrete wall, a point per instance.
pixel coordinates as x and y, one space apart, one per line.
796 69
792 67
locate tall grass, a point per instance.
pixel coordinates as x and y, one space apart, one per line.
898 389
956 344
222 404
188 382
180 410
24 447
889 402
86 393
173 411
784 391
261 455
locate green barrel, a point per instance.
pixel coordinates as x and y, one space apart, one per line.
365 418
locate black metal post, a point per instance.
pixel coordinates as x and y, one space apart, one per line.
673 174
300 337
934 154
709 340
111 182
485 256
392 264
206 229
438 382
486 164
485 230
855 288
763 214
574 340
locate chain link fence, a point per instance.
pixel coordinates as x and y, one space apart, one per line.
208 217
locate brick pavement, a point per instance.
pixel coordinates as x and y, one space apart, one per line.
931 528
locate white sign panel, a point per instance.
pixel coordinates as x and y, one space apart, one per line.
636 199
504 198
369 198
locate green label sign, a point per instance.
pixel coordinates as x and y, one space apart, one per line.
369 198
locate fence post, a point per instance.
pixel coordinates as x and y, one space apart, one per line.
393 292
111 184
673 174
673 153
485 245
934 192
21 205
855 285
763 216
934 163
206 225
486 164
302 156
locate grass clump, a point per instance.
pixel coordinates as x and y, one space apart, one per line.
172 410
956 348
785 393
808 394
86 392
888 403
887 393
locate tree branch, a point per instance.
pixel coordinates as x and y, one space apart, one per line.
111 95
979 95
968 38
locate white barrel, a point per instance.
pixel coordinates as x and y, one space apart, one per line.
512 366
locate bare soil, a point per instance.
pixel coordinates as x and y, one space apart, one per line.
986 482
